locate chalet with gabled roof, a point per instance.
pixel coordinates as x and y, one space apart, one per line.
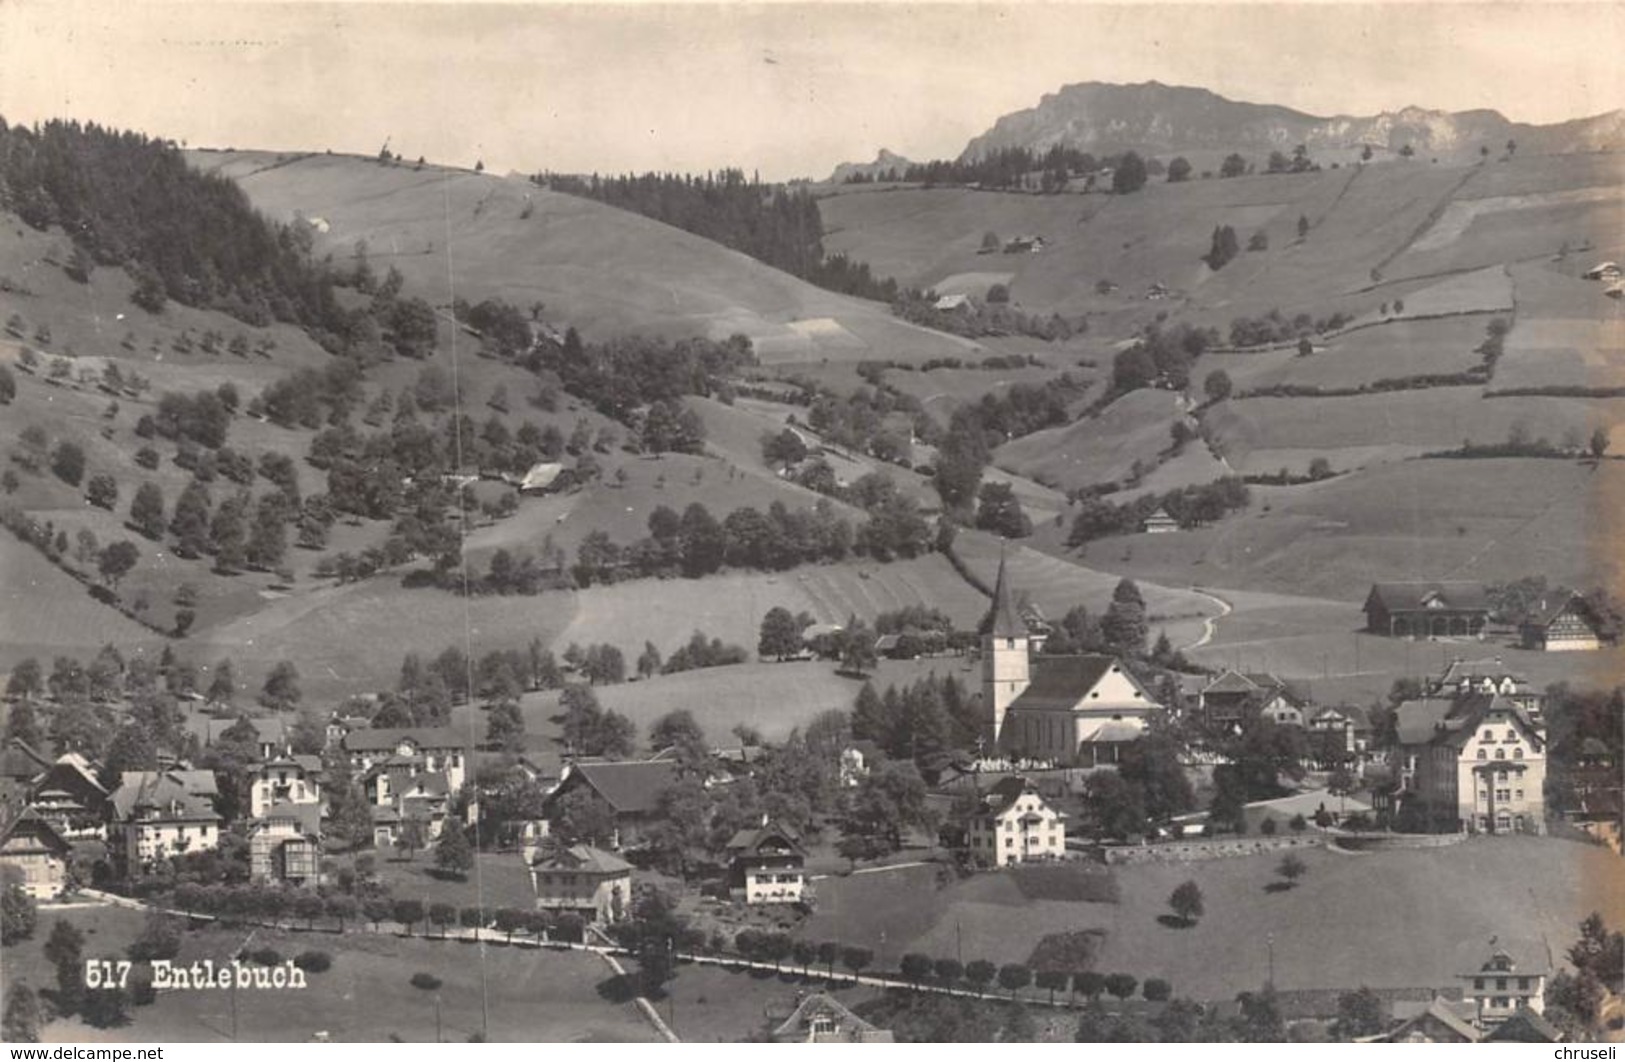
1427 610
34 849
71 798
583 880
822 1019
1563 625
767 865
1159 523
632 790
1233 697
1440 1022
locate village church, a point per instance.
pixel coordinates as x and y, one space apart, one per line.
1063 710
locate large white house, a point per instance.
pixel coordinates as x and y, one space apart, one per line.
1016 825
1475 763
158 814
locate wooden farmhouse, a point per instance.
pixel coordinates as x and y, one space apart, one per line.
1427 610
1561 626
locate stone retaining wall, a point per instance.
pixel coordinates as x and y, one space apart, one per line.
1197 851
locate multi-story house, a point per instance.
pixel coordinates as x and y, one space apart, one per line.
69 797
31 846
285 779
768 865
430 749
630 791
583 880
284 844
1502 987
1487 676
1016 825
158 814
1235 697
1475 763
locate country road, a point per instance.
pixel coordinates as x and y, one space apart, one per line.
1210 625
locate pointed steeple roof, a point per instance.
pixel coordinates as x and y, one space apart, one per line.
1006 622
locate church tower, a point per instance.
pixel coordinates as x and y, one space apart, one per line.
1006 670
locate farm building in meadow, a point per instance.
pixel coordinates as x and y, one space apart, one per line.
541 478
1562 625
948 303
1159 523
1475 763
1603 271
1071 710
583 880
1427 610
768 865
33 849
1015 825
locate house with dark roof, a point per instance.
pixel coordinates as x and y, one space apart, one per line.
583 880
1474 763
270 732
1427 610
631 789
32 847
1440 1022
1491 675
71 798
432 748
1015 825
767 865
1525 1027
1234 697
1159 523
1504 986
21 764
1564 624
158 814
822 1019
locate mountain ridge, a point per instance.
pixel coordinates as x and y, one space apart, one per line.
1159 119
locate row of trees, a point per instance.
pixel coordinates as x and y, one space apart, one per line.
773 224
1191 506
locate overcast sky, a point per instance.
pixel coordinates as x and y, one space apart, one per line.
788 89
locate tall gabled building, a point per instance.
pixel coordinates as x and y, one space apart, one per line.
1475 763
1069 710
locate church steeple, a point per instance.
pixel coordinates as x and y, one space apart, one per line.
1006 670
1007 623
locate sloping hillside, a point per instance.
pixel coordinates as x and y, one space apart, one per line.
458 234
1410 222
